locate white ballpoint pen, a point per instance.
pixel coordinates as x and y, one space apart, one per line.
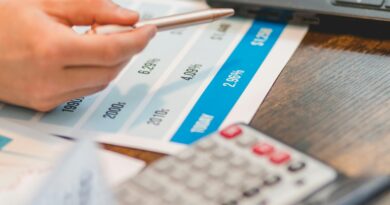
170 22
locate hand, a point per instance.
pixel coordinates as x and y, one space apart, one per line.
44 63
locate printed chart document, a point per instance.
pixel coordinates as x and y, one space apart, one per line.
186 84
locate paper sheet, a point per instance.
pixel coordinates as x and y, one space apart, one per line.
186 84
29 157
18 184
77 178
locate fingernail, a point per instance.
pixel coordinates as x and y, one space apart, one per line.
152 31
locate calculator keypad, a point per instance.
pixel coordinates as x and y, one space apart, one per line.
237 165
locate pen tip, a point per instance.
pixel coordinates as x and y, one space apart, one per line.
223 12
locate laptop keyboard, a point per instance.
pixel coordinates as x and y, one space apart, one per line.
279 9
367 4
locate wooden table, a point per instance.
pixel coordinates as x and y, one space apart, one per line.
332 99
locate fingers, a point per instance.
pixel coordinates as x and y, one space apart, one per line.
87 12
85 77
111 13
79 93
58 100
70 83
106 50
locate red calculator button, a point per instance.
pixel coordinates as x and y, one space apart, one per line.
231 132
279 157
263 149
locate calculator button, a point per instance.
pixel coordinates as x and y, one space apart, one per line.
255 170
230 197
263 149
238 161
233 179
279 157
149 185
300 182
146 202
296 166
179 174
232 202
251 192
201 163
263 202
206 144
250 184
132 200
272 180
128 197
246 141
171 198
218 170
155 188
163 166
222 152
211 192
231 132
195 182
186 155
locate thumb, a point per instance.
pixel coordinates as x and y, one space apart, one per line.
108 12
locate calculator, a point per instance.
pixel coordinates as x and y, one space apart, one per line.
237 165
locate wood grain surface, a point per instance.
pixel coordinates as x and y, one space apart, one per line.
332 100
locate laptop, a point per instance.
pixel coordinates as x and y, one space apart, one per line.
308 11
